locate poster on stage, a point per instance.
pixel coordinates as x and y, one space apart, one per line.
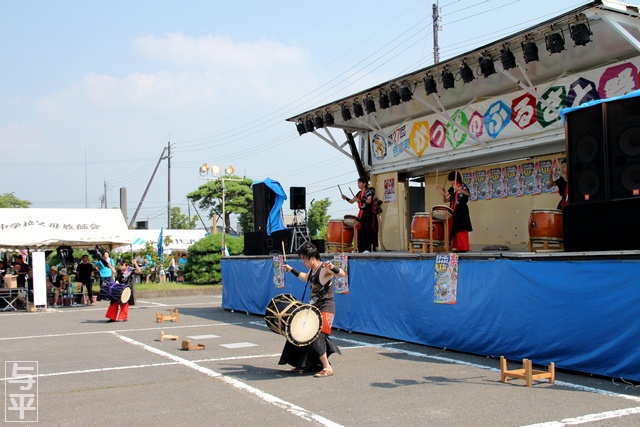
470 180
482 186
341 284
278 271
514 181
545 170
497 183
389 190
446 279
531 178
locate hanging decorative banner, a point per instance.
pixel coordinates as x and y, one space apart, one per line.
341 284
278 272
446 279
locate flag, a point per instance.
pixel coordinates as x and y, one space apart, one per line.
160 243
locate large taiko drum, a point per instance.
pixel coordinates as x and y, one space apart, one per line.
441 212
351 220
299 323
339 232
546 224
115 291
420 225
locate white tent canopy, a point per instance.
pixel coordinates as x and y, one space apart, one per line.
180 239
42 228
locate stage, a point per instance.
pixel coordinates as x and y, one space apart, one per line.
577 310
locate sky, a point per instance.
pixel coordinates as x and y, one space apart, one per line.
92 92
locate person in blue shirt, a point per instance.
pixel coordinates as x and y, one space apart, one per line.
105 265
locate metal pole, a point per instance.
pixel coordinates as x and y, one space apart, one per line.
224 219
169 184
436 49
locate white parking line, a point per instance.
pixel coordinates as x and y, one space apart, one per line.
589 418
269 398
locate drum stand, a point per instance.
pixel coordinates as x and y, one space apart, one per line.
300 232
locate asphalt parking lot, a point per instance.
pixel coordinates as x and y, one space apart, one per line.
92 373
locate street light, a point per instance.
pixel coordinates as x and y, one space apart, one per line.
216 175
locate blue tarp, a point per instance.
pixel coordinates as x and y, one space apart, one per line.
274 221
578 314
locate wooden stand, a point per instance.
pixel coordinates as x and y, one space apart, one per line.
173 316
545 244
424 244
527 372
164 336
186 345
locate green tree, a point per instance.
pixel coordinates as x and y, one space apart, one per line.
180 221
318 219
8 200
238 200
204 258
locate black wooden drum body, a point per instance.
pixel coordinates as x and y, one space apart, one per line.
299 323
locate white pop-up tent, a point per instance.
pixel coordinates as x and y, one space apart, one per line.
180 240
38 229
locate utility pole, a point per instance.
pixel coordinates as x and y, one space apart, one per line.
169 183
146 190
105 195
436 28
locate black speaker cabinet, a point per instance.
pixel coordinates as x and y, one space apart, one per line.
298 198
258 243
623 148
586 155
602 226
263 200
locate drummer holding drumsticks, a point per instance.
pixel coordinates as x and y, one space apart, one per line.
315 356
124 276
458 196
368 224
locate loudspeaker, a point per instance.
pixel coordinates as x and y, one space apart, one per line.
602 226
586 155
142 225
258 243
263 200
623 147
298 196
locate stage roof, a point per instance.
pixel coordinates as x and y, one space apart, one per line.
615 37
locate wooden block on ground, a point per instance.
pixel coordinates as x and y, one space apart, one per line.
164 336
186 345
527 372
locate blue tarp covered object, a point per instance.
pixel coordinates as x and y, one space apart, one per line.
275 221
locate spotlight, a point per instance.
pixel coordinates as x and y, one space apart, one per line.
369 105
507 58
383 101
394 97
430 85
346 114
466 73
448 81
301 129
405 94
357 109
530 51
554 42
318 122
328 119
308 125
580 33
486 66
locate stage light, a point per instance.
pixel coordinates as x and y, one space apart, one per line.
554 42
448 81
308 125
394 97
580 33
530 51
328 119
405 94
383 101
369 105
318 122
204 169
346 114
301 129
430 85
466 73
215 170
229 170
357 109
507 58
486 66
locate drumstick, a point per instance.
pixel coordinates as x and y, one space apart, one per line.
340 189
436 176
352 192
284 255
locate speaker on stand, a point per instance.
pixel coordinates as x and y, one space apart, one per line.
298 204
264 199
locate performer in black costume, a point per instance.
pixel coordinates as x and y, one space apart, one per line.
315 356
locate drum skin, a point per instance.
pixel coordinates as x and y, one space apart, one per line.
337 232
546 224
441 212
420 227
